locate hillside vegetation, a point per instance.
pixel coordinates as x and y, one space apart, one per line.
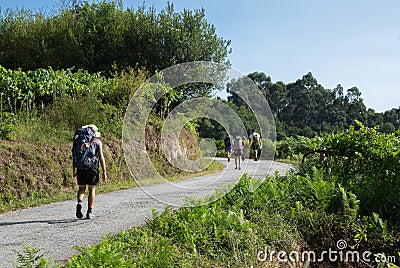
82 64
40 112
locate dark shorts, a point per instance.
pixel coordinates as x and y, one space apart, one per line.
256 148
88 177
228 148
238 152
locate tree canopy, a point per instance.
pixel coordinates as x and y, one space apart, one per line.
96 36
306 108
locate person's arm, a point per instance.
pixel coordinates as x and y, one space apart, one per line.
74 170
102 161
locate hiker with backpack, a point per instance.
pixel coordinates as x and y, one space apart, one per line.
238 150
255 140
87 152
228 146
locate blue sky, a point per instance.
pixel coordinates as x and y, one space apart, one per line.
352 43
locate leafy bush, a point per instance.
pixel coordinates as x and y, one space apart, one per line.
291 147
72 113
7 126
367 163
68 98
23 91
220 147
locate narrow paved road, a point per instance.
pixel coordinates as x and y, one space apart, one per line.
55 229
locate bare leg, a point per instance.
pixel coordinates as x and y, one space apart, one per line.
81 192
80 195
228 155
92 196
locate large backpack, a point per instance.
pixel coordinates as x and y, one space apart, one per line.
238 143
84 149
227 141
256 139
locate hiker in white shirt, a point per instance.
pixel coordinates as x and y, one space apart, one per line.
255 143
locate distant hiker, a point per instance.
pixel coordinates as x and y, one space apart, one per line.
243 145
238 150
255 140
87 151
228 146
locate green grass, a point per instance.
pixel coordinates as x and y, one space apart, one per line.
292 213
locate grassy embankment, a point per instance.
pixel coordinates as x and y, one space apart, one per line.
37 166
40 111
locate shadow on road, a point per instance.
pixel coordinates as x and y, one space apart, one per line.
38 221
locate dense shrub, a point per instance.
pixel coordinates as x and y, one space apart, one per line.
22 91
367 163
291 147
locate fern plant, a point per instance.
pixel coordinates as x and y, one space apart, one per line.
32 257
345 203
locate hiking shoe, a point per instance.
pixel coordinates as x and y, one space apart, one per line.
79 214
229 159
89 215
